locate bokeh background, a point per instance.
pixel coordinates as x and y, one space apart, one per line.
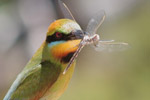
98 75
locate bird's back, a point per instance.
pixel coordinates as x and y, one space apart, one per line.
35 79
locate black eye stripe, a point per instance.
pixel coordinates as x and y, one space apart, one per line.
54 38
78 34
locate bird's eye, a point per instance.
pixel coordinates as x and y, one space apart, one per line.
58 35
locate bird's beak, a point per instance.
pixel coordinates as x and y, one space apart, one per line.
78 34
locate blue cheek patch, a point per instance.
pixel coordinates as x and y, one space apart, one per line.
55 43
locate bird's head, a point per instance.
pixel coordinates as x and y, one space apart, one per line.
63 38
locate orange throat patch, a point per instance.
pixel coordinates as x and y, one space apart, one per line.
65 49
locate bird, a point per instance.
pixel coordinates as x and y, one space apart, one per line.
43 78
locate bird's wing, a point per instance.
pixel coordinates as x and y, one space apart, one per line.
34 82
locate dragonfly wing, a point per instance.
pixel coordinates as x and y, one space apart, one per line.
111 46
65 10
106 41
95 22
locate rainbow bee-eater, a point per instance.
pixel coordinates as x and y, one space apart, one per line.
43 78
47 74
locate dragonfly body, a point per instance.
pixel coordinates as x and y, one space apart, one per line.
90 39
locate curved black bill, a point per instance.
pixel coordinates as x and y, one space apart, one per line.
78 34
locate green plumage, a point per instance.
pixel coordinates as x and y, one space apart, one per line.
37 82
37 77
43 78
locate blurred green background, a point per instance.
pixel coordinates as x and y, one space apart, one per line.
98 75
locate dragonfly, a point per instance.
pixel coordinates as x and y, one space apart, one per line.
91 38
